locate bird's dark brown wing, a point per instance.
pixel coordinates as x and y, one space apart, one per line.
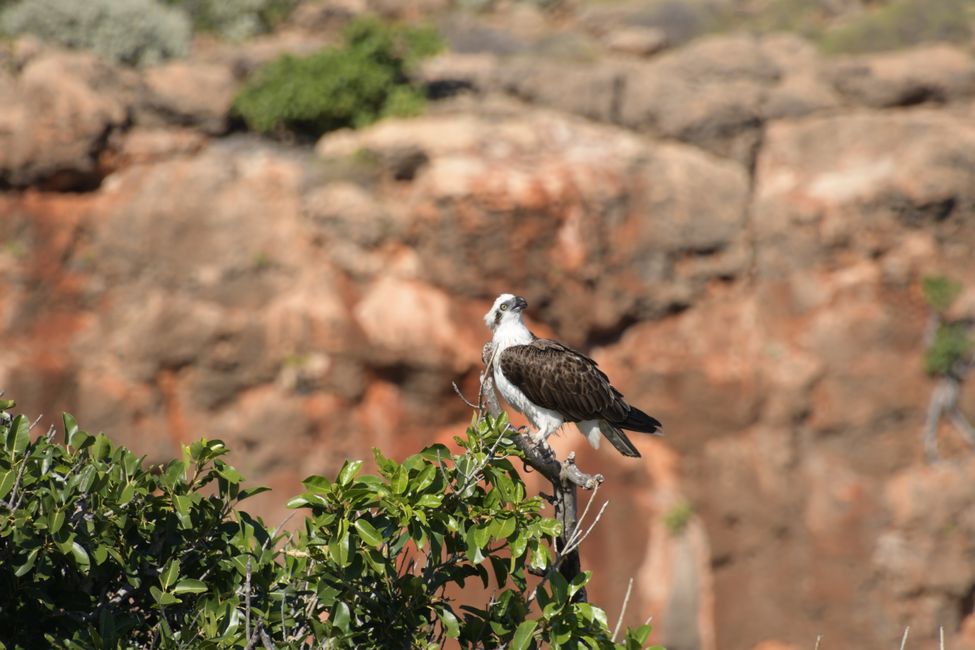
557 377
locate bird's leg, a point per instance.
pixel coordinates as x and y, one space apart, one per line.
540 440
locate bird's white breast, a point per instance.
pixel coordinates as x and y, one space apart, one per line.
505 336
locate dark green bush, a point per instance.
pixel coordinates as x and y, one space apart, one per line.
354 85
952 340
99 551
950 345
940 292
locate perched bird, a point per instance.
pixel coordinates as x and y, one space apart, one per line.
553 384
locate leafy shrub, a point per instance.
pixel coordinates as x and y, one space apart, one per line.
135 32
353 85
952 341
97 550
940 292
950 345
901 23
678 517
238 19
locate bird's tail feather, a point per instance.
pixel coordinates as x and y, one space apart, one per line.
637 420
618 439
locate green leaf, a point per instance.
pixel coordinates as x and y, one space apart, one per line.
57 520
80 556
523 635
450 624
578 582
550 527
482 535
399 481
430 501
297 502
425 478
585 610
18 435
341 616
639 634
7 404
101 447
169 574
70 427
228 472
473 549
504 528
600 615
249 492
338 549
189 586
7 480
99 554
163 598
518 545
368 533
349 471
28 565
127 493
560 588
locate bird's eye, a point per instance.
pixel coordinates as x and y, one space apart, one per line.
504 307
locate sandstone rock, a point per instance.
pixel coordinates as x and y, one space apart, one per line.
928 576
855 182
238 179
413 324
929 73
589 90
56 117
594 198
142 146
709 93
192 94
347 212
799 95
637 41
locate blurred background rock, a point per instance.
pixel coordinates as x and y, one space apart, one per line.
278 222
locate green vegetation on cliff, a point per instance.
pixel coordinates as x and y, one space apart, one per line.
97 550
951 341
350 86
135 32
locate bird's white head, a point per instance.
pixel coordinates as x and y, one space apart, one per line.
508 308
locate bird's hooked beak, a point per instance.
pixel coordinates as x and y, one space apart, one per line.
520 304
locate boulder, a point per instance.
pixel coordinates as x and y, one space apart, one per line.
190 93
596 200
57 117
637 41
856 182
930 73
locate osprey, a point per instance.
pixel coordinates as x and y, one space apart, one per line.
553 384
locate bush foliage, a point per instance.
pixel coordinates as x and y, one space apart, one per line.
98 550
952 341
350 86
135 32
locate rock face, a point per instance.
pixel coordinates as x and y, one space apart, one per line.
735 229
